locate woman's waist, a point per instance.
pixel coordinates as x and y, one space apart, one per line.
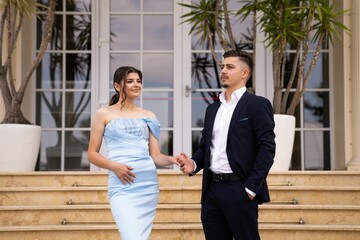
144 178
141 164
128 155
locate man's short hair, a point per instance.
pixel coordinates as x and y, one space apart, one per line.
244 57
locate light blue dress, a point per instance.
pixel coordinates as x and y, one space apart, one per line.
133 205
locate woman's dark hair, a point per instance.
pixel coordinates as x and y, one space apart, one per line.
119 76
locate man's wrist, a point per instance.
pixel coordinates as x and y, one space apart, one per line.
194 165
250 192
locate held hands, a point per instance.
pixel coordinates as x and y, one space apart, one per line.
185 163
174 160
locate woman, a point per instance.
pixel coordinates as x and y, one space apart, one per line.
131 135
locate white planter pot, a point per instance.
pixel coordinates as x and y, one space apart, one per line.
284 139
19 147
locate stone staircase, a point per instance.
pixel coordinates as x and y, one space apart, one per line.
74 205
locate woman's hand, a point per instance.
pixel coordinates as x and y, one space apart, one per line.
124 173
174 160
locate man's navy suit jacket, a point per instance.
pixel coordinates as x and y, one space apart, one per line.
250 143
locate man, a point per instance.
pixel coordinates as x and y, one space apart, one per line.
236 153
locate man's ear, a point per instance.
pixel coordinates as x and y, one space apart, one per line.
246 73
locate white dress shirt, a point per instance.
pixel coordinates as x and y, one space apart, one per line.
218 159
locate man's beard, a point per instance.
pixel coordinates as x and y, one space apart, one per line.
224 85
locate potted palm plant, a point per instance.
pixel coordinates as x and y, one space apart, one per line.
287 25
15 127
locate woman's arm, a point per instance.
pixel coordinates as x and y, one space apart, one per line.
97 132
160 159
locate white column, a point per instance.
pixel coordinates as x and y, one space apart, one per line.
354 163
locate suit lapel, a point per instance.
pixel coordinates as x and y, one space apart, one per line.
240 105
212 115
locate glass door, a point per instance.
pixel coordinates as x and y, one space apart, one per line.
142 34
93 38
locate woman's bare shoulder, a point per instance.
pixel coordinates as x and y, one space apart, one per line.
104 114
103 111
148 113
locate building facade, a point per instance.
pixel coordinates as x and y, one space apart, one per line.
92 38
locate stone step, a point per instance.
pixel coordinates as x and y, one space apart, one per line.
167 178
70 214
317 195
171 213
314 178
69 205
178 232
172 178
306 232
84 195
98 231
310 214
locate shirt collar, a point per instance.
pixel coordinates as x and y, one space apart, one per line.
237 94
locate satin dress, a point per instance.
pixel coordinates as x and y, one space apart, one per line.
133 205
